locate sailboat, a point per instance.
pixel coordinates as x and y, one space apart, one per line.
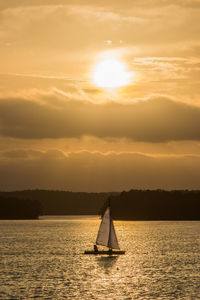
106 236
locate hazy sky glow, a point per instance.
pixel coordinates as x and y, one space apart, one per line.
60 128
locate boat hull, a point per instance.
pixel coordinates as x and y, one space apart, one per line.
105 252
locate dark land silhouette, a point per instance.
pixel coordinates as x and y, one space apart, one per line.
131 205
14 208
61 202
156 205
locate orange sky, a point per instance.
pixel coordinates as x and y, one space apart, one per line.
59 130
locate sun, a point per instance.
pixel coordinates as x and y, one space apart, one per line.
111 73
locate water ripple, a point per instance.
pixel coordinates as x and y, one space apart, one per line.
44 259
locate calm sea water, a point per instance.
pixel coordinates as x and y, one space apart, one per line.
44 259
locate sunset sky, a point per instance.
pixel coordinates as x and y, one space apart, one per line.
99 95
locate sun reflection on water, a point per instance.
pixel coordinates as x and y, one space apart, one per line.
44 259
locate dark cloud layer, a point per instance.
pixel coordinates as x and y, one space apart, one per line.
155 120
85 171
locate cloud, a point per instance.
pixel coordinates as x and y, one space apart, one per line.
55 36
167 68
43 23
146 135
92 144
20 154
157 119
118 5
96 171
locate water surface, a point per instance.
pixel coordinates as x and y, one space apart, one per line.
44 259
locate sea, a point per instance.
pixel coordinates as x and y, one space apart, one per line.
43 259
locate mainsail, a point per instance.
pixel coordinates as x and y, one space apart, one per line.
106 235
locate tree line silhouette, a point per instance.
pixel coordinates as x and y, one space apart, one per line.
61 202
156 205
131 205
14 208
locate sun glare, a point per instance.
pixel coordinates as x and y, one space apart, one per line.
111 73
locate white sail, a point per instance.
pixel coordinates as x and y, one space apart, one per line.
106 235
112 242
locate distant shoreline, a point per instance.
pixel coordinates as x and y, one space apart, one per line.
82 216
134 205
